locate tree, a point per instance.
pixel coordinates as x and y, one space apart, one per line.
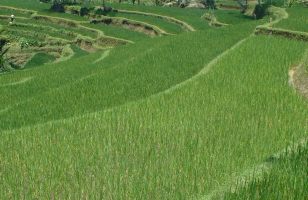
243 4
210 4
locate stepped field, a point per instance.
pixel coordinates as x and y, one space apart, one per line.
152 102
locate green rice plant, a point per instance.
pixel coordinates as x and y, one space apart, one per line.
78 52
287 179
39 59
176 117
167 26
137 26
297 20
44 30
161 60
182 143
25 4
8 13
178 22
118 32
191 16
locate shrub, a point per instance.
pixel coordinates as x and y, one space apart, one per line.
75 10
260 10
58 7
84 11
102 10
210 4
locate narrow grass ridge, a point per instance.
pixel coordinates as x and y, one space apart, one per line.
183 24
257 172
131 24
213 21
280 14
297 35
204 70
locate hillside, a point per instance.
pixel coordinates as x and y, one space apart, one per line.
150 102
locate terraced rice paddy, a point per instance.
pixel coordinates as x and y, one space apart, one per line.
101 111
297 20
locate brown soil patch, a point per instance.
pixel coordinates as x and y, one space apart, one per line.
86 45
229 7
298 78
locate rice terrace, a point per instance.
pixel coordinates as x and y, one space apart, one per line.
154 99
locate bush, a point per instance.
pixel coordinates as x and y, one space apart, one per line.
103 10
45 1
84 11
58 7
75 10
260 11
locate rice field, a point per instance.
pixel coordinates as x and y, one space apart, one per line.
297 20
105 112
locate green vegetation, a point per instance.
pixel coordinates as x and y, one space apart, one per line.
119 32
78 52
167 26
287 179
297 20
107 112
138 73
39 59
202 135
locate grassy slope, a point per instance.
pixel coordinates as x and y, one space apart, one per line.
176 145
43 9
192 18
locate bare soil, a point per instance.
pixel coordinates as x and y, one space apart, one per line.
298 78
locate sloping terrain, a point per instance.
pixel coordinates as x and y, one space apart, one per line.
176 116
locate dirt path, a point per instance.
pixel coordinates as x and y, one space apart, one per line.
298 77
